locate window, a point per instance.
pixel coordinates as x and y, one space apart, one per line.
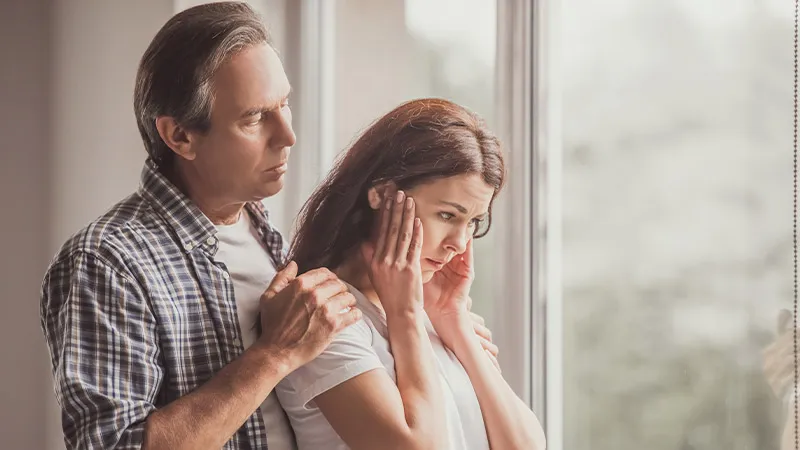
676 198
392 51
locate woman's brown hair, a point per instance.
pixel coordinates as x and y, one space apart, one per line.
418 142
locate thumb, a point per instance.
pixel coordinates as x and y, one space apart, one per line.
367 251
282 279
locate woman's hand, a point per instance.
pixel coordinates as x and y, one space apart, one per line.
393 260
485 336
447 293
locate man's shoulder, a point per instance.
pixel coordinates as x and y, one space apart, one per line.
116 234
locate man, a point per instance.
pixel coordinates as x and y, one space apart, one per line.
150 312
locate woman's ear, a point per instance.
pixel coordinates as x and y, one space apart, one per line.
376 194
374 198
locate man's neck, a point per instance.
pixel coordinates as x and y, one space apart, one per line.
219 211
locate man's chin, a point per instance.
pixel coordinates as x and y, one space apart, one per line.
271 188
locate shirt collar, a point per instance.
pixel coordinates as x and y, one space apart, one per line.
191 226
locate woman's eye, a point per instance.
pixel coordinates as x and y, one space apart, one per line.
446 216
476 222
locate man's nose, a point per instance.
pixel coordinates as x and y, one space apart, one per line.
284 133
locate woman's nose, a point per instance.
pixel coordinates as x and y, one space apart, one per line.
457 241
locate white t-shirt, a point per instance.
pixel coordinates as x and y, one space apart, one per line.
360 348
251 271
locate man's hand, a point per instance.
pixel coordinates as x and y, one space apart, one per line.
301 315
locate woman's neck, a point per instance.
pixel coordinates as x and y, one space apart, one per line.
354 272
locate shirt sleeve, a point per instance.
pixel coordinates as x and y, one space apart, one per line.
350 354
104 353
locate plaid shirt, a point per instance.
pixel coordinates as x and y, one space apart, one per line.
137 313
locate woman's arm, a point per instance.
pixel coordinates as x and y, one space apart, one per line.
510 424
370 411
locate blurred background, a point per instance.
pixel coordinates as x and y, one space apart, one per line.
654 285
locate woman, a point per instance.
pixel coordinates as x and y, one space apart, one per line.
395 220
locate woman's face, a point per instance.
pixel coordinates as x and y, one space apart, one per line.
450 210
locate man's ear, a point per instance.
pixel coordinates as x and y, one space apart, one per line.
376 194
176 138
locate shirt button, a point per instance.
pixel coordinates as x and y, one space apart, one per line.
210 241
225 275
188 247
237 342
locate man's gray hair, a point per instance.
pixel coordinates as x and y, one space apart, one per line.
174 76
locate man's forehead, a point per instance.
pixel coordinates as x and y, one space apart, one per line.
253 77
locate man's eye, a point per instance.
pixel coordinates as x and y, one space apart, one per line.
254 119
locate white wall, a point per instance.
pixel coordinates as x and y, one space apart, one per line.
24 198
70 149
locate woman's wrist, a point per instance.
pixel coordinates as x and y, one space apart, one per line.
454 329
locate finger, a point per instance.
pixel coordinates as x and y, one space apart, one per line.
489 347
415 247
469 307
348 318
406 230
475 317
342 302
310 280
282 279
326 290
394 226
482 331
368 251
467 257
494 361
384 216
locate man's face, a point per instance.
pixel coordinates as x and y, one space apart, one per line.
244 155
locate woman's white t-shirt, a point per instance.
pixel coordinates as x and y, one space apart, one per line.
360 348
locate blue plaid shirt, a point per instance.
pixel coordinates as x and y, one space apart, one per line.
136 313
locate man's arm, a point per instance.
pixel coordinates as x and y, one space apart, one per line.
104 351
209 416
104 347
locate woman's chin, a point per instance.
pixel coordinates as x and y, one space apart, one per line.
427 275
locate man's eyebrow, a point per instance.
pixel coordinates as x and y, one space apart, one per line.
271 106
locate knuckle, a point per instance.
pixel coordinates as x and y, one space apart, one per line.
302 284
315 299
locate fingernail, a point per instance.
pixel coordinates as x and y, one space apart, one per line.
409 203
400 196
